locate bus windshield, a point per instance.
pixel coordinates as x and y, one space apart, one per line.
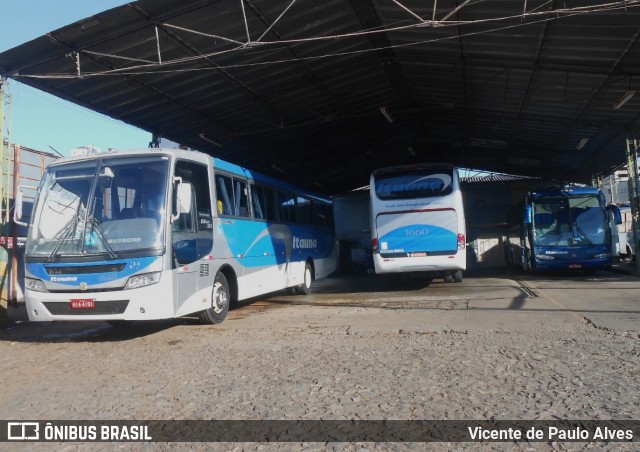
569 221
103 208
414 184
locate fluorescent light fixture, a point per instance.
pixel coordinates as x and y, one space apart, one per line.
209 140
582 143
386 114
623 100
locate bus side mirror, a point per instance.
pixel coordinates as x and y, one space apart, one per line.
615 210
184 192
184 197
527 215
17 208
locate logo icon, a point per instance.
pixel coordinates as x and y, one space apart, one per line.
23 431
84 286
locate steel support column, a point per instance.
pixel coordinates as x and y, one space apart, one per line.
634 195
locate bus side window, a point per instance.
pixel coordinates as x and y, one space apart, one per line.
241 198
268 204
262 198
286 207
256 199
304 210
224 191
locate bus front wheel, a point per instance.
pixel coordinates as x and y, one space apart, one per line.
305 287
220 299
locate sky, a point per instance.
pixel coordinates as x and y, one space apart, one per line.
40 121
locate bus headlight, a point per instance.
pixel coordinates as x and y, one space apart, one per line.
35 284
142 280
544 257
602 256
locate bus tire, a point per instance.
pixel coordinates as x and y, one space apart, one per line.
306 287
457 276
220 299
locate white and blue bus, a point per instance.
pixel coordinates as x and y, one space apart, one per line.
417 220
567 228
157 233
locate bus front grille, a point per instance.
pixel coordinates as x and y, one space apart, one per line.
84 269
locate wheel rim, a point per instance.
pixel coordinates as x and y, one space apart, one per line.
307 277
220 298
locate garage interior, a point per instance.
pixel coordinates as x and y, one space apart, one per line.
322 93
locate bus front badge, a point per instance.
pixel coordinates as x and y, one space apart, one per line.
84 286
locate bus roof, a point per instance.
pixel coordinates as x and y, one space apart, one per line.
412 167
197 156
566 191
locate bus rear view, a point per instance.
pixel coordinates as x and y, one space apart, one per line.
417 220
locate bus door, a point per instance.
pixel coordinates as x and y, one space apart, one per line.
192 232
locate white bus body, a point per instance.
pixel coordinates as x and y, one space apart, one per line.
160 233
626 240
417 220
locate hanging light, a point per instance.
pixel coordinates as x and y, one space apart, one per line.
623 100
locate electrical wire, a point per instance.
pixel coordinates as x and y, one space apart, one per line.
151 67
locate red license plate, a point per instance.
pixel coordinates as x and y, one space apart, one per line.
83 303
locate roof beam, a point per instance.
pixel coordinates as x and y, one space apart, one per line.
369 20
465 88
208 60
612 73
332 98
534 75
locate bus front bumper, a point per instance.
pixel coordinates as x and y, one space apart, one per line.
582 265
145 303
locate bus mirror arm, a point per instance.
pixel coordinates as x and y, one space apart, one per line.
177 181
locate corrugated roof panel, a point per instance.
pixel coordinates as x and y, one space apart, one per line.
497 84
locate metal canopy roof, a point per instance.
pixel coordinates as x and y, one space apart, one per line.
301 89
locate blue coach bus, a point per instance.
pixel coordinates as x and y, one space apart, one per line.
567 228
160 233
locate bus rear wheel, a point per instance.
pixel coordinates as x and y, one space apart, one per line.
220 299
306 286
457 276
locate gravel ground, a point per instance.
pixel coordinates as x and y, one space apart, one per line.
276 364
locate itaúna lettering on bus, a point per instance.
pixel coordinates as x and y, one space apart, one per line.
299 243
63 278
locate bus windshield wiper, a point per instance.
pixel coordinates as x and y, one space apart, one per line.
64 234
95 227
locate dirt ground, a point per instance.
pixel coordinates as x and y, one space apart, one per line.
491 348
